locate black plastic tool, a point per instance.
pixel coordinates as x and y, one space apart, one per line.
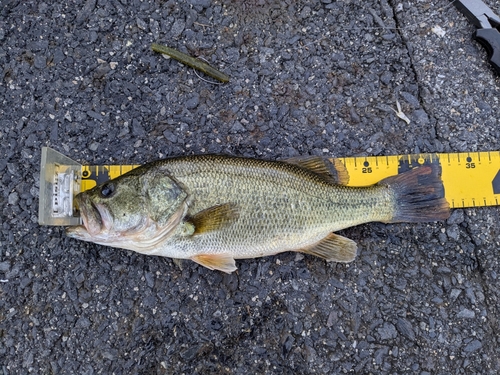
488 27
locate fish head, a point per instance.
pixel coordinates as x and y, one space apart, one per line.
138 210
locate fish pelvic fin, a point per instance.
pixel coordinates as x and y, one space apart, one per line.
419 195
332 170
214 218
333 248
221 262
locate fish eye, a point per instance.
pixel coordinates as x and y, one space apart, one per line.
107 190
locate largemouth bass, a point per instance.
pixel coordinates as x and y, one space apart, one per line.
215 209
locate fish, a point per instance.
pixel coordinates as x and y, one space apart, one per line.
213 209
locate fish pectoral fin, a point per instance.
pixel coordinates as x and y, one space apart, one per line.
333 248
221 262
331 169
214 218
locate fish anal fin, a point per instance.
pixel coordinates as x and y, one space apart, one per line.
221 262
333 248
331 169
214 218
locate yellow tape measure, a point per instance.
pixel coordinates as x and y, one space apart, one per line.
470 179
93 175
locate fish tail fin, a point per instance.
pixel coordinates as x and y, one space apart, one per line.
419 195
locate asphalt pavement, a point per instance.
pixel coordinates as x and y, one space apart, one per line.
307 78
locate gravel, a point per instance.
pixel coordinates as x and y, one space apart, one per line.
307 78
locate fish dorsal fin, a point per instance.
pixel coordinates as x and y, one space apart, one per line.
214 218
333 248
333 170
221 262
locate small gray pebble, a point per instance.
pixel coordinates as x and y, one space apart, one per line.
453 232
170 136
4 266
405 328
387 331
411 99
473 346
13 198
237 127
40 62
193 102
456 217
94 146
142 24
421 117
202 3
455 293
386 78
466 313
177 28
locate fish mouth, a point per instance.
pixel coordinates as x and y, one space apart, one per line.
95 218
